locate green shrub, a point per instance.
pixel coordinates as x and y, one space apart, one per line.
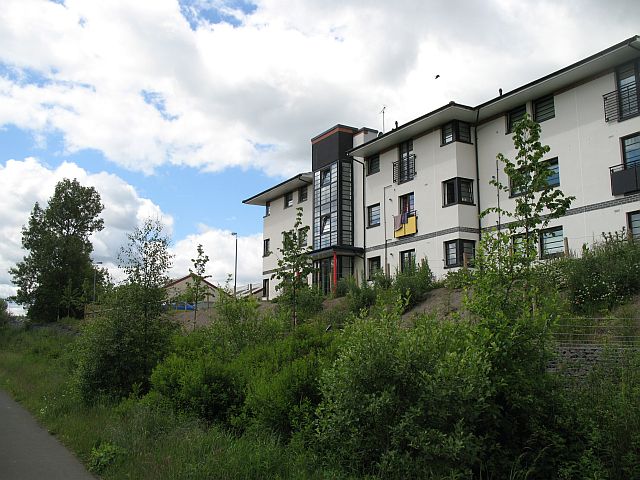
461 278
308 302
605 275
203 386
414 282
402 403
102 456
282 378
118 349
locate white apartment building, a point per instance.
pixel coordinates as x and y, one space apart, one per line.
378 201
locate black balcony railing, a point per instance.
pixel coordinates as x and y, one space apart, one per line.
621 104
625 178
405 169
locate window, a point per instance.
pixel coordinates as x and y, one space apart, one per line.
288 200
267 209
407 260
634 224
553 178
373 165
302 194
325 177
302 237
406 203
265 288
405 168
457 190
456 131
459 253
633 219
551 242
325 224
514 116
543 109
374 266
373 215
266 251
628 90
631 150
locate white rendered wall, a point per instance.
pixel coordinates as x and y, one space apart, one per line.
586 146
280 220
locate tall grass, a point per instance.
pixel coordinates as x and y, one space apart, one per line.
145 438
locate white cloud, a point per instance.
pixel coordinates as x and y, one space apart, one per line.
24 182
219 245
135 81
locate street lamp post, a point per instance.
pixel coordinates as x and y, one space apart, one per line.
235 268
95 271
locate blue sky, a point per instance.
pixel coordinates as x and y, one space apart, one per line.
183 109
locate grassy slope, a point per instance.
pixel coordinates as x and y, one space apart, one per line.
151 442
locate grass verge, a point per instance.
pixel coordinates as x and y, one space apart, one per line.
141 439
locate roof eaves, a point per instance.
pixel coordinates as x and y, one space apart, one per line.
296 177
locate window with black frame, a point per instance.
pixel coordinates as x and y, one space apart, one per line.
303 194
407 260
459 253
457 190
628 89
631 150
455 131
551 242
373 215
634 224
288 200
544 109
373 165
404 169
514 116
374 266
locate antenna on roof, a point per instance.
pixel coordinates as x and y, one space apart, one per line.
384 107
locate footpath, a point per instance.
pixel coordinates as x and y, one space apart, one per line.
29 452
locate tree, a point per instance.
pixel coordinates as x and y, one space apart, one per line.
509 253
294 264
146 260
5 316
118 350
57 241
197 289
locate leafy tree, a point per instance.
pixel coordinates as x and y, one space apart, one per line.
196 288
71 298
146 261
57 241
509 253
294 265
118 350
4 312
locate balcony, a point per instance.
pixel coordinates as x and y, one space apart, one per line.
405 169
405 224
625 178
621 104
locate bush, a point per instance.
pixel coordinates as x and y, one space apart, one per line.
461 278
402 403
203 386
118 349
308 302
282 379
605 275
5 316
414 282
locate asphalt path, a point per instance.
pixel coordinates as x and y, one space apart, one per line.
29 452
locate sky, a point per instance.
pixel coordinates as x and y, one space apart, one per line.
179 110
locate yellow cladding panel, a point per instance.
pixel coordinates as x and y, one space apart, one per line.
408 228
